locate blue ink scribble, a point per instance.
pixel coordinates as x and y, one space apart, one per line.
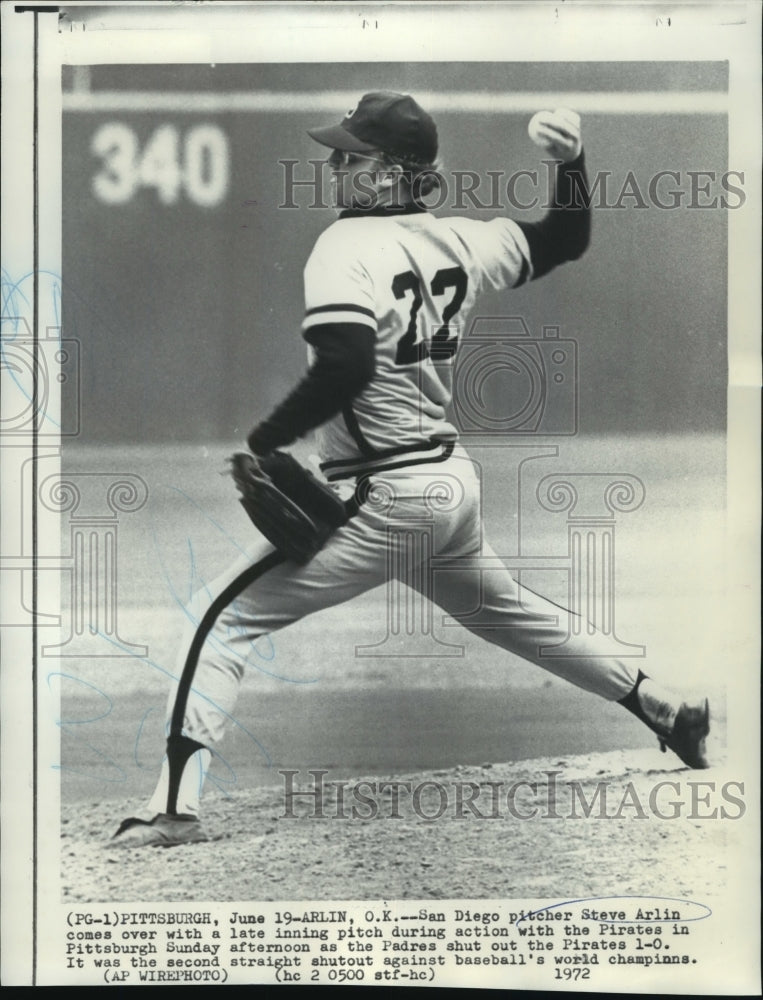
193 690
183 605
78 680
138 735
64 725
642 920
12 317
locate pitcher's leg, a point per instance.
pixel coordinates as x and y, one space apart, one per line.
212 657
495 607
261 593
492 605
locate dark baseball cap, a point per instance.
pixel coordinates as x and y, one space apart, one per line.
391 123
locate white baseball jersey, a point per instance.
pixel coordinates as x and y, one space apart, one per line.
412 278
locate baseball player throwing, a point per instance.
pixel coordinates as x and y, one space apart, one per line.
387 287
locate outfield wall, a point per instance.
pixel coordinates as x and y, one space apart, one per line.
182 275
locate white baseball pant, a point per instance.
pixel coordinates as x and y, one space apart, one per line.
405 516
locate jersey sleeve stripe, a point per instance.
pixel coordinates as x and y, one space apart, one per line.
341 306
340 314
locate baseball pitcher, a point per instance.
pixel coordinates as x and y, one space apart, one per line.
387 287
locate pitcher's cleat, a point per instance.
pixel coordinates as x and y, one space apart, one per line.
687 737
163 830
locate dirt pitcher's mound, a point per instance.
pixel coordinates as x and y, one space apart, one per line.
585 826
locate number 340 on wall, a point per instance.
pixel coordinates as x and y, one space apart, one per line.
196 163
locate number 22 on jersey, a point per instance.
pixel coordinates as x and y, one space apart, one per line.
411 350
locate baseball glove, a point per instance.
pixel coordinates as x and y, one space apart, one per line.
296 512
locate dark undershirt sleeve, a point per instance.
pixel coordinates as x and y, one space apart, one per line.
344 365
565 231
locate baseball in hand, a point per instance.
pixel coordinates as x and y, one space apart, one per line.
558 132
534 128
